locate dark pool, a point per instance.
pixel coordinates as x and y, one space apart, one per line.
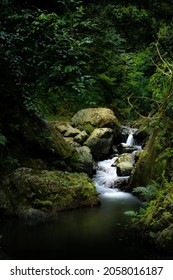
89 233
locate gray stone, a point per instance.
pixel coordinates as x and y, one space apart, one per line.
100 142
71 132
86 159
125 164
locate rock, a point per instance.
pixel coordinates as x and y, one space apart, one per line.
124 148
71 142
37 193
147 168
65 128
121 183
61 126
100 142
72 132
32 214
125 164
141 136
81 137
91 118
86 159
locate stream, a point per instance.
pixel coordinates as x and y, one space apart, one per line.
89 233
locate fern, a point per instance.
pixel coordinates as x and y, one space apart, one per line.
148 192
133 215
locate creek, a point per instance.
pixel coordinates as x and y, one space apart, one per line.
89 233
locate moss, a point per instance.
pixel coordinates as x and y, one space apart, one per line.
43 204
148 168
89 128
156 220
50 191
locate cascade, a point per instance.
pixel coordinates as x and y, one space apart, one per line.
106 174
130 140
105 178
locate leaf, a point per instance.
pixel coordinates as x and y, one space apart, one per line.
107 78
3 140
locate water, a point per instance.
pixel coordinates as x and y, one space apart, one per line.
130 140
90 233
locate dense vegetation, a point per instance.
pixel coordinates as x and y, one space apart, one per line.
61 56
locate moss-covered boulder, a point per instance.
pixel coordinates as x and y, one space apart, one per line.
28 192
91 118
86 159
148 167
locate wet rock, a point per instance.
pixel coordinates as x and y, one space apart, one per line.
121 183
100 142
124 148
125 164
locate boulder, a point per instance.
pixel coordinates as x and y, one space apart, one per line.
86 159
65 128
29 193
72 132
121 183
81 137
100 142
125 164
91 118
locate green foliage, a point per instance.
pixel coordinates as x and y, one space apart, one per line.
10 162
59 57
42 203
149 192
133 215
3 140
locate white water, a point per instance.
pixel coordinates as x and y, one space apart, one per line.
130 140
106 174
105 178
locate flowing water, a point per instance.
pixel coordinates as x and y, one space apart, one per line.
90 233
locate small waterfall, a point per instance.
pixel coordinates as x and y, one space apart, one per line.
105 178
130 140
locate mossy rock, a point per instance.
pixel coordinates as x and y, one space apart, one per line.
47 191
91 118
147 167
